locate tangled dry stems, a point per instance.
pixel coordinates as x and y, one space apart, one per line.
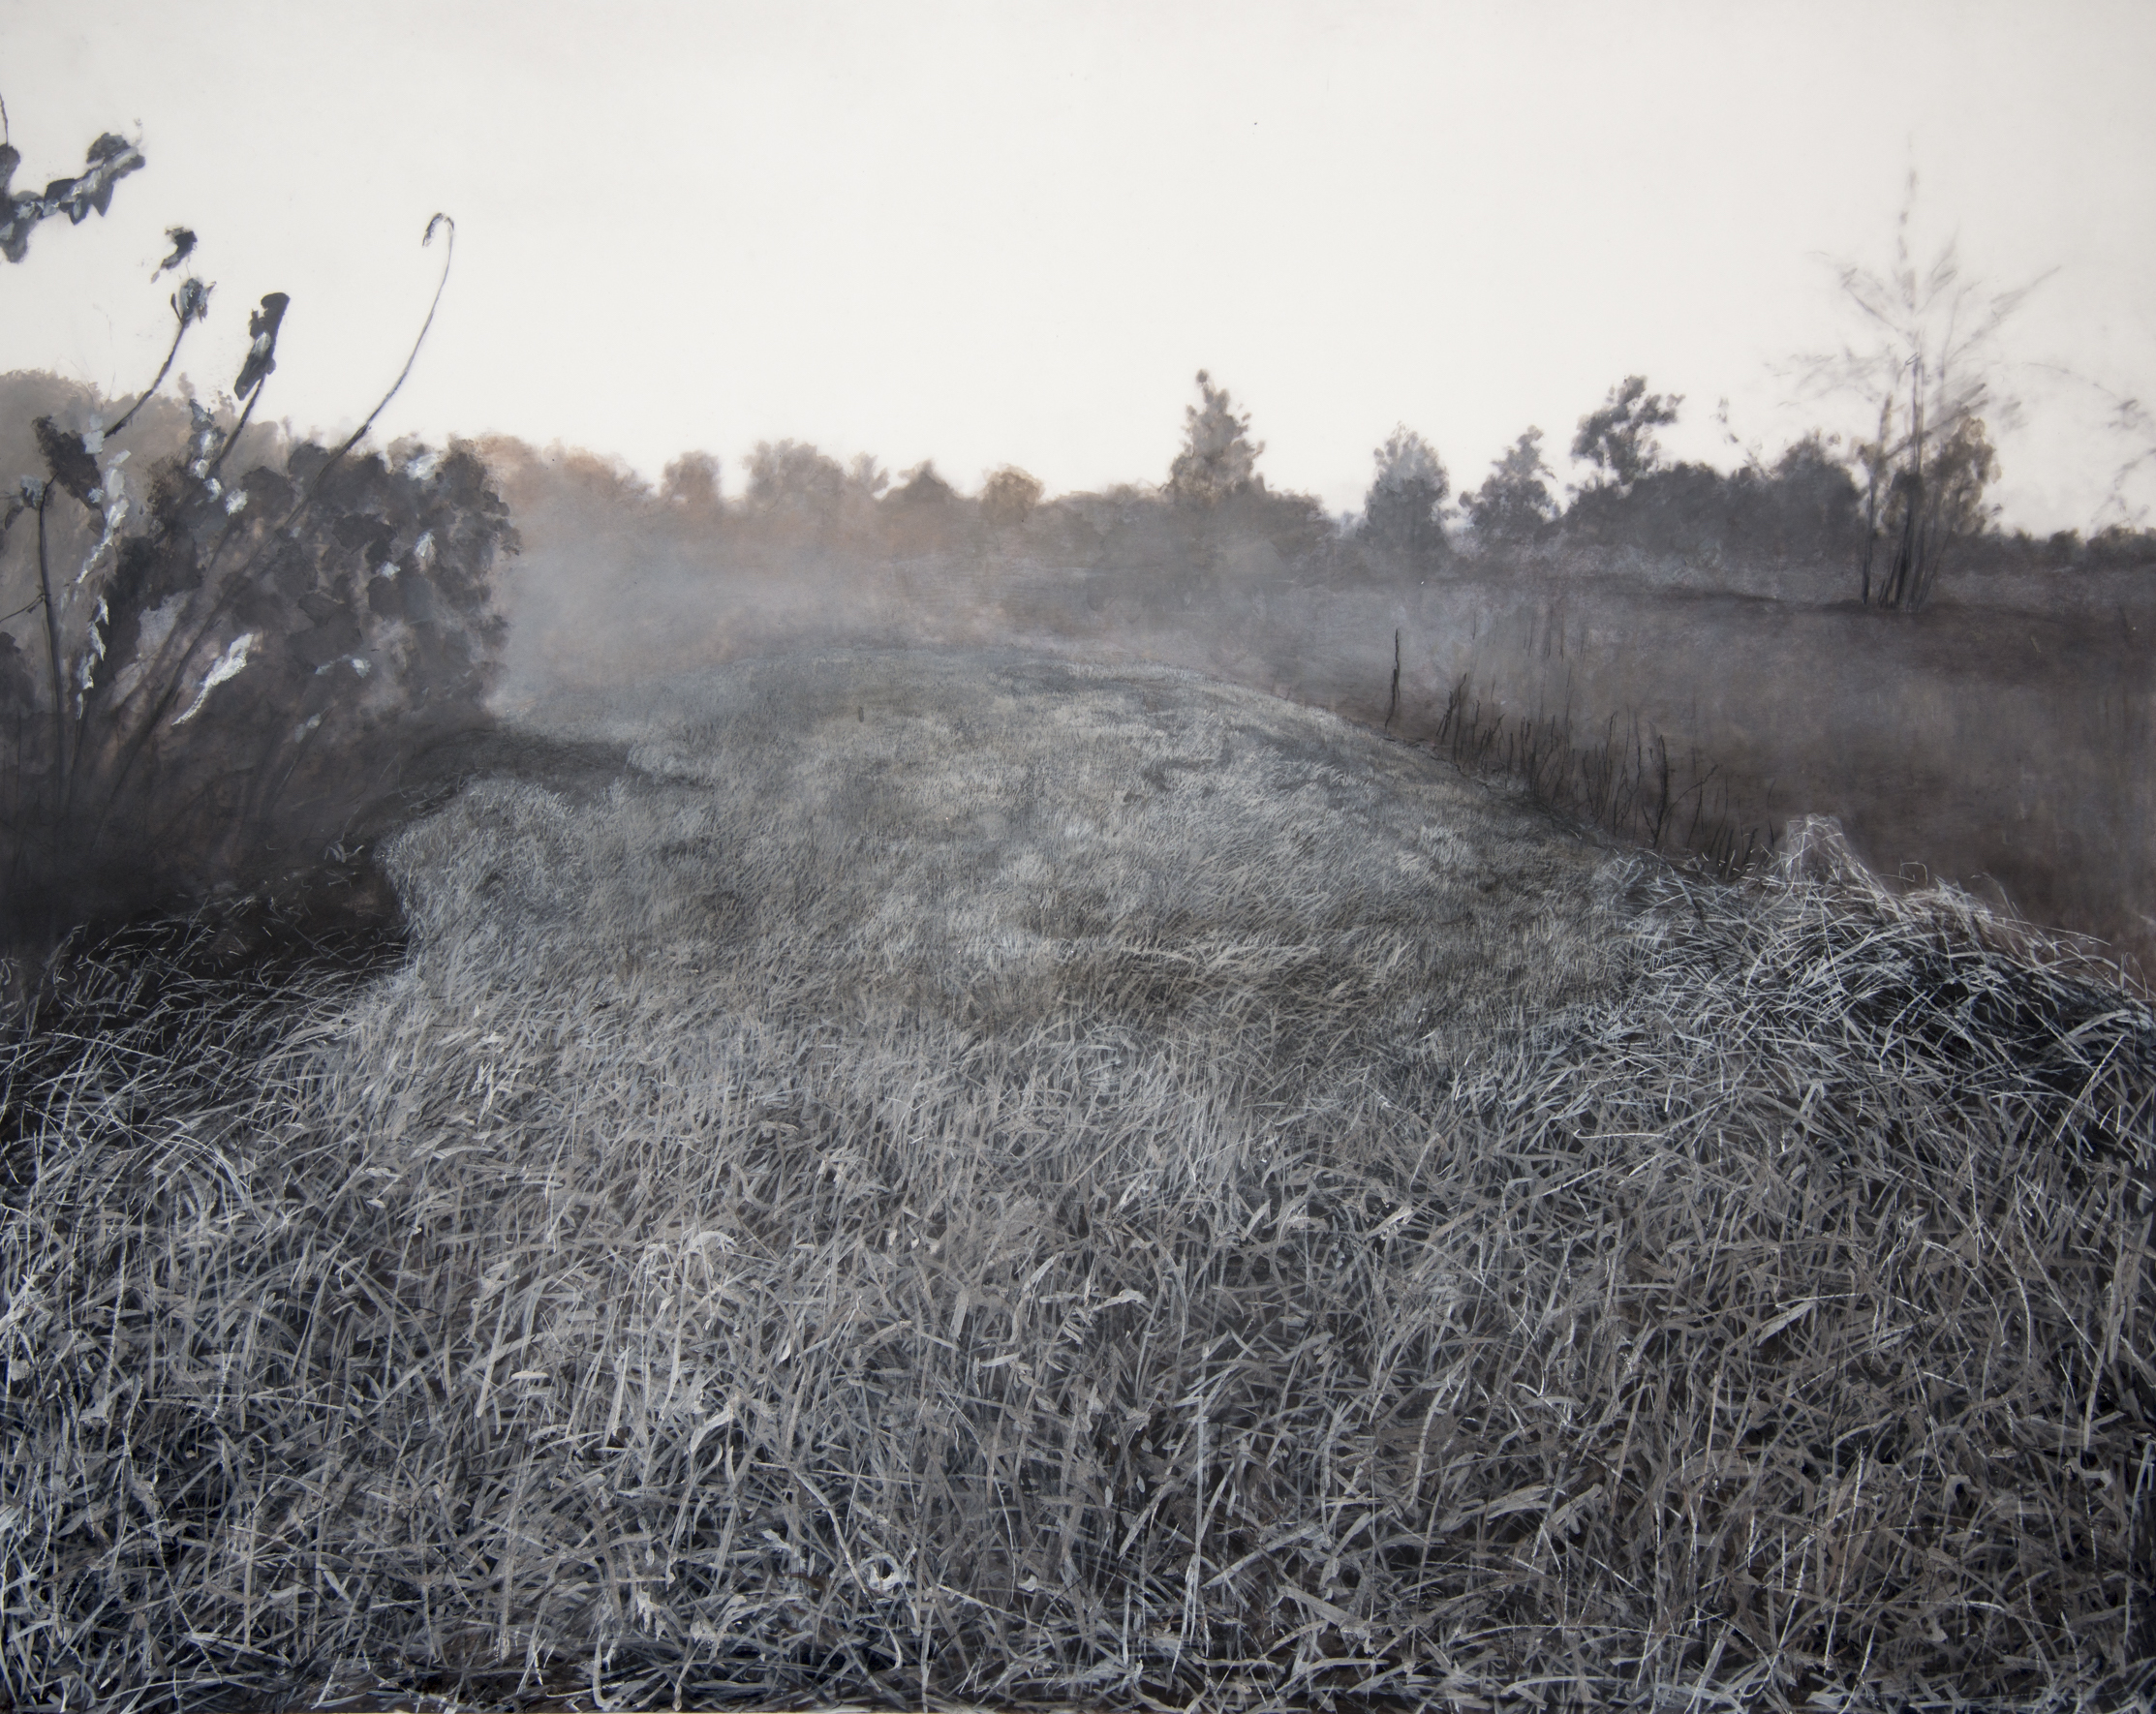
751 1319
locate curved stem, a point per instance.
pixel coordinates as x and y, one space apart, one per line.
403 375
239 428
163 370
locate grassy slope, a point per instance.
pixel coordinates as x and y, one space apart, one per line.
1089 1186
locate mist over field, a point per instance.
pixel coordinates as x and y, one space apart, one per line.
1696 669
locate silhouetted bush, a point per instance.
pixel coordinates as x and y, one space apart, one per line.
691 482
922 487
1404 511
1809 503
791 479
798 494
245 675
1218 459
1619 440
238 664
1806 507
1010 495
1512 506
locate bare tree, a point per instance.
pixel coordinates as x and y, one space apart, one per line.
2133 429
1927 368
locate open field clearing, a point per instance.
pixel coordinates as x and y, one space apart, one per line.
952 1178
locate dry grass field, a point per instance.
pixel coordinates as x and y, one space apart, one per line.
959 1177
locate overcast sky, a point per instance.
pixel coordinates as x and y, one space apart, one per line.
1011 232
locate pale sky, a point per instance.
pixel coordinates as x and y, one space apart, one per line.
1011 232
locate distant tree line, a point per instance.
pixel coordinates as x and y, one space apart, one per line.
1212 523
1804 505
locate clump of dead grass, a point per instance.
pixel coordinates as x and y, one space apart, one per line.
1770 1327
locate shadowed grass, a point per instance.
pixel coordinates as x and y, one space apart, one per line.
781 1235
